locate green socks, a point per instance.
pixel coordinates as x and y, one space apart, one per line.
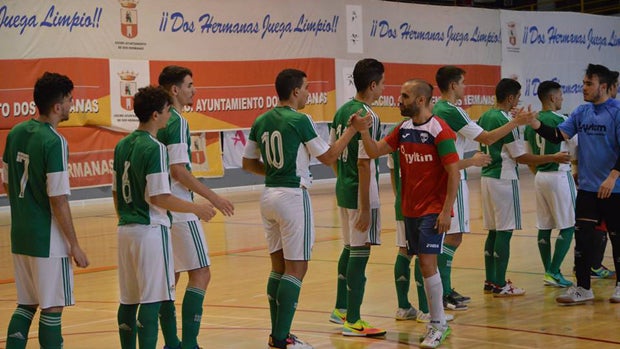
191 315
356 281
444 264
148 325
502 255
402 276
168 320
341 293
272 293
50 335
489 261
17 333
544 247
287 297
562 245
127 329
419 283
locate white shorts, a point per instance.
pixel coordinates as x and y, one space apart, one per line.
501 209
288 221
47 282
189 246
555 200
145 268
356 238
460 220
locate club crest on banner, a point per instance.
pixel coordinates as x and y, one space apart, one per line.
128 88
129 18
512 37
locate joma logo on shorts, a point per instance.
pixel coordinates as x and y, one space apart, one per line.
432 245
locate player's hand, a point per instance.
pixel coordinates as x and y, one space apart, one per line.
562 157
443 222
363 221
79 257
604 191
224 205
480 159
524 116
359 122
205 211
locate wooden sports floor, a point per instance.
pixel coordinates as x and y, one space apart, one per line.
235 309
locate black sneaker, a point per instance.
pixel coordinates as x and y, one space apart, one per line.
459 297
449 303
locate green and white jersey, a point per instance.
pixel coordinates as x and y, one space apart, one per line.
35 168
285 139
504 151
140 172
459 121
176 137
541 146
347 182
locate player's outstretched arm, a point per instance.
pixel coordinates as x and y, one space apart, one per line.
479 159
183 175
204 211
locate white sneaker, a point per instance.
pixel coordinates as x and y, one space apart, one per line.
406 314
435 336
615 298
509 290
426 317
576 295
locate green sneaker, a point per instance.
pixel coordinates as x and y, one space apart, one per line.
602 273
338 316
556 280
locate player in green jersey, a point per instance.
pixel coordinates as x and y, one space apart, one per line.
555 188
451 83
43 240
189 245
142 196
501 211
357 193
285 140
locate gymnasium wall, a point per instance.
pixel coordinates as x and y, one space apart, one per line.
236 48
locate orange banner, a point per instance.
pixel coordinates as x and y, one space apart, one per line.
480 81
90 95
91 155
230 95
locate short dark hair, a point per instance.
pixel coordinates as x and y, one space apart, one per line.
614 77
505 88
545 88
150 99
421 88
366 71
447 75
602 72
173 75
50 89
287 81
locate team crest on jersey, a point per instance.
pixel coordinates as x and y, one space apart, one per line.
128 87
129 18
